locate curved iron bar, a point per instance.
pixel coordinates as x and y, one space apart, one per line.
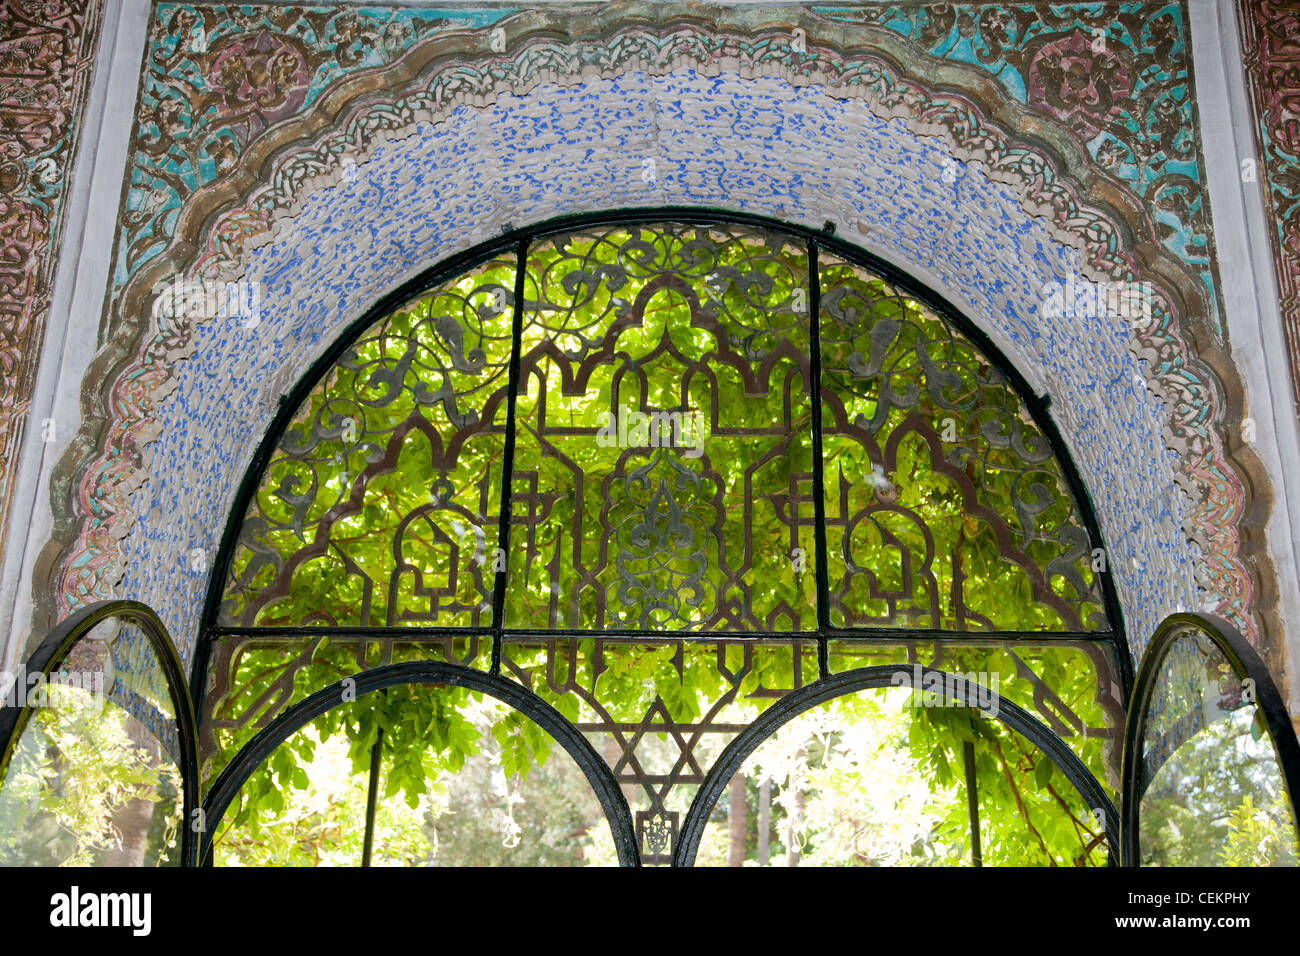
869 678
1247 664
597 771
54 649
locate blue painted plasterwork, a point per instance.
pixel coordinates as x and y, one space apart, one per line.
521 160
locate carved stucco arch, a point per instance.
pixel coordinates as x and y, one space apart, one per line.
455 95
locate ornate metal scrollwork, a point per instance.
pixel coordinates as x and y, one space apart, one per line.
664 435
663 477
906 391
640 421
378 505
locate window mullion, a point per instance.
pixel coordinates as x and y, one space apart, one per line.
508 457
819 498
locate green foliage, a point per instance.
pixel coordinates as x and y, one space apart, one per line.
1260 836
1030 815
407 388
870 780
478 789
906 395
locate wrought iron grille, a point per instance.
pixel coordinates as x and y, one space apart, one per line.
590 462
662 475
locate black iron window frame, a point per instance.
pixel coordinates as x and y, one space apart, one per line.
50 655
1246 664
604 784
519 241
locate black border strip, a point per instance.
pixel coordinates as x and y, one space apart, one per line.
819 466
508 455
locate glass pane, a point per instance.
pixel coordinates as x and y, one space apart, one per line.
305 805
255 678
464 780
663 467
378 506
878 778
520 800
945 507
1071 686
662 471
95 777
1211 786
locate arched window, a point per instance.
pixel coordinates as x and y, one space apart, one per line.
588 462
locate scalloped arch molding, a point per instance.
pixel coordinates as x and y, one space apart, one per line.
393 181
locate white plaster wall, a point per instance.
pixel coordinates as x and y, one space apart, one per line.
1242 235
80 280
